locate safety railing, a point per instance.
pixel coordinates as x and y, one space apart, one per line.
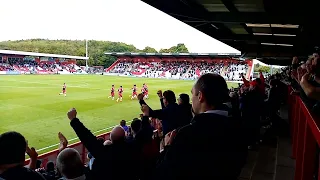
305 135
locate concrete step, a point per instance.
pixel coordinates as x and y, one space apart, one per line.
261 164
285 164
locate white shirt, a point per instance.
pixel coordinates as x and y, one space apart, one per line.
219 112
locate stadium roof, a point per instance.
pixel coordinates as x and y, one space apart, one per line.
173 54
41 54
270 30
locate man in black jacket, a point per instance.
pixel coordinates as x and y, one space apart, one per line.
170 114
186 109
109 160
211 146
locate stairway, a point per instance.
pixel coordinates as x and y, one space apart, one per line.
271 161
113 65
261 164
188 69
185 74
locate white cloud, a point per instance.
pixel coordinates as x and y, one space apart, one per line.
129 21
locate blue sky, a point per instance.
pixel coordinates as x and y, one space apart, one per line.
129 21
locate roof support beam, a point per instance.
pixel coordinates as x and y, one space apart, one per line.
257 18
261 38
232 8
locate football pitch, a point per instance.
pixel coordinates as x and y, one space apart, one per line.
31 104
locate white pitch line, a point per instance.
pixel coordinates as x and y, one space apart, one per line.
70 140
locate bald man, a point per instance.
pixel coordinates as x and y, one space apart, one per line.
70 165
117 134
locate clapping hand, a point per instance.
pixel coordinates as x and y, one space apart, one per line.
305 78
169 137
32 153
63 142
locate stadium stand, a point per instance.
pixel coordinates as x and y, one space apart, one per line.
171 67
180 67
19 62
44 67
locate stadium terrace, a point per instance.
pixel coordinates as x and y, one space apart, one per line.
20 62
179 65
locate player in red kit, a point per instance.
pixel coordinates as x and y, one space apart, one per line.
64 88
112 92
134 92
146 92
120 91
143 92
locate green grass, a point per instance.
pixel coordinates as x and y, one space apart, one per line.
30 104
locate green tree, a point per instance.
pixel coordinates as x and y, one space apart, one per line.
179 48
96 49
149 50
265 69
164 51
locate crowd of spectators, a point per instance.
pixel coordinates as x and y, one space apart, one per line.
305 79
184 69
30 66
206 139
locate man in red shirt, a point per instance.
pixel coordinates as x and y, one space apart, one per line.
64 88
134 92
146 92
112 93
120 91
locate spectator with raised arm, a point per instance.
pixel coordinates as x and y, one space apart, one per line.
170 114
110 158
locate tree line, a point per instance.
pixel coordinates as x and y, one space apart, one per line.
96 49
266 69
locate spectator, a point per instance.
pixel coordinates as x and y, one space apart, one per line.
184 104
135 126
38 164
142 131
50 173
70 166
235 103
117 135
13 148
311 84
124 126
169 114
252 101
274 98
202 149
109 158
